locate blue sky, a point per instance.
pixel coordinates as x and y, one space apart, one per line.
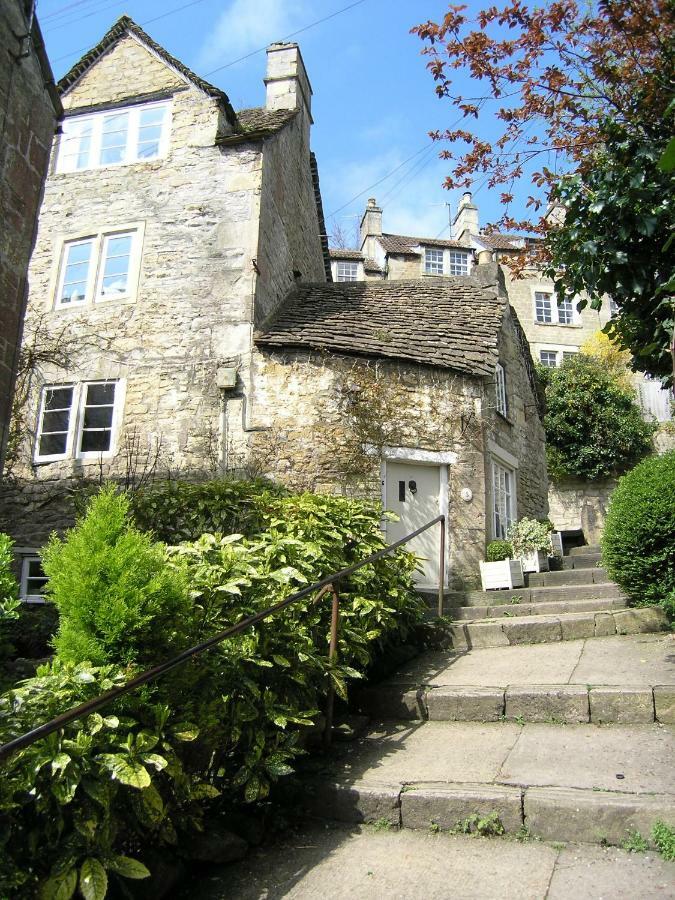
373 103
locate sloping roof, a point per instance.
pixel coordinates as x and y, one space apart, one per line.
323 235
340 253
401 243
371 265
260 120
451 323
126 25
495 241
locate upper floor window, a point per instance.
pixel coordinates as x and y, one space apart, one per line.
117 137
549 311
459 263
500 389
347 271
77 420
97 268
433 261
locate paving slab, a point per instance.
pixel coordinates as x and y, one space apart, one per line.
430 751
592 756
624 659
316 863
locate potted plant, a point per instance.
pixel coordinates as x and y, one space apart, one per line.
531 543
501 570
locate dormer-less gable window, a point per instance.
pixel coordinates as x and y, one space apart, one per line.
114 138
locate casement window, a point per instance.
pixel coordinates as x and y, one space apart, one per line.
78 420
459 263
33 580
543 307
99 268
500 390
347 271
504 493
116 137
554 357
433 261
549 311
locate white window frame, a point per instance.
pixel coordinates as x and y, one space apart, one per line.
24 596
351 265
97 119
430 265
547 365
76 421
549 291
500 391
500 469
99 238
458 262
558 350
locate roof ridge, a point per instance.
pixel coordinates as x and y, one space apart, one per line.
125 24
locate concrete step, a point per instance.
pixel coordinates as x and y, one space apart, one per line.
617 704
567 577
560 627
586 550
534 594
547 608
590 561
573 783
312 860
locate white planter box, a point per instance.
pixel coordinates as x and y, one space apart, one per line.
556 543
536 561
507 573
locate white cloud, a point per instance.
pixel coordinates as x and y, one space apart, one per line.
249 24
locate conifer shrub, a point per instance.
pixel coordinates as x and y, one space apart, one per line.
638 544
594 428
118 601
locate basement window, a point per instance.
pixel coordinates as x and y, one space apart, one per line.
115 137
33 580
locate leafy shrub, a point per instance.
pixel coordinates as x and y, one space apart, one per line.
178 511
529 535
9 599
638 544
117 599
664 838
79 806
33 630
594 427
109 786
499 550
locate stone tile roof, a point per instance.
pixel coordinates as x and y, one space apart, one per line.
400 243
451 323
496 241
340 253
126 25
370 265
261 120
323 235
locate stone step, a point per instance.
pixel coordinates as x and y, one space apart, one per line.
616 704
546 608
591 561
567 577
534 594
586 550
561 627
573 783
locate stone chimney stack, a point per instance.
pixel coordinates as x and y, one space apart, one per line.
287 83
371 227
465 222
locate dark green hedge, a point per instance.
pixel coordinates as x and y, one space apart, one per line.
638 545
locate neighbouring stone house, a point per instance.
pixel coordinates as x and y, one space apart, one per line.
554 331
181 259
30 111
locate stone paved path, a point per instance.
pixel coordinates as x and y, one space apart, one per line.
327 863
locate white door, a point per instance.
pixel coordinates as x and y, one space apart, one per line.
413 492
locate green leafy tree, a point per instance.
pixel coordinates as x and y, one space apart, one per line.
118 600
594 427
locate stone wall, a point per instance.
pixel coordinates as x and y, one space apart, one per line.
577 505
29 109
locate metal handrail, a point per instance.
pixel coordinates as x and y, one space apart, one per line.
326 585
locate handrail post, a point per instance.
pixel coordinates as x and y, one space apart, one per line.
332 659
441 568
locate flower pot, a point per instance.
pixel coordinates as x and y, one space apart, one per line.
535 561
507 573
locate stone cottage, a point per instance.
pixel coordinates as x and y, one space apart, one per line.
181 259
30 110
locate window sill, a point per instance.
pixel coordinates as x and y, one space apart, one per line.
505 418
559 324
